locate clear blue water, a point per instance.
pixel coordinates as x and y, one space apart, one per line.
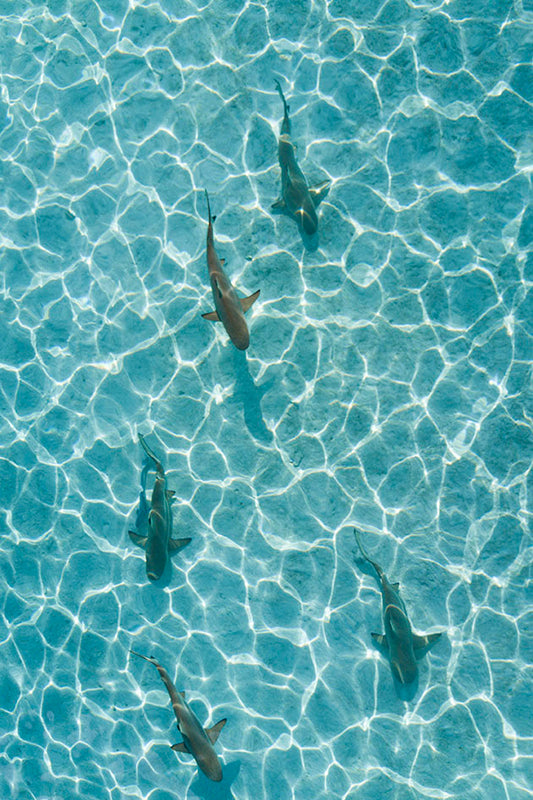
387 385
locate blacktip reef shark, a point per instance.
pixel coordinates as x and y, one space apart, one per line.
402 646
298 200
196 740
158 542
229 307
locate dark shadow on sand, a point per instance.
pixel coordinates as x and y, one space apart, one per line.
249 396
210 790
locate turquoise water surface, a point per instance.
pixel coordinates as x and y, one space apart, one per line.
387 386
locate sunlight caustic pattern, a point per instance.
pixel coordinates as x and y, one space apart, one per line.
387 385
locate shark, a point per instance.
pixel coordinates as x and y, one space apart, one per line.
298 200
229 308
197 741
402 646
158 542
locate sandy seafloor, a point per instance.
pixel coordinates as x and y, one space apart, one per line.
387 385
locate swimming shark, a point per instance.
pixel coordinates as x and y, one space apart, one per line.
158 542
402 646
197 741
298 200
229 307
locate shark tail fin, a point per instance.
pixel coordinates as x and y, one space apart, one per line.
151 659
246 302
211 217
286 106
176 544
151 454
365 555
422 644
212 316
214 732
360 544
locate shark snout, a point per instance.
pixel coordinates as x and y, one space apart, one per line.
241 342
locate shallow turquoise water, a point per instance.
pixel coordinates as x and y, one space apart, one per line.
387 385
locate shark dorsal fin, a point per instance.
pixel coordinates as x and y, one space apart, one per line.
214 732
246 302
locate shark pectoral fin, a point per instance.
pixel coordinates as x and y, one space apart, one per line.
223 261
170 493
319 191
176 544
214 732
395 586
246 302
279 206
212 316
183 695
137 539
421 644
179 748
380 641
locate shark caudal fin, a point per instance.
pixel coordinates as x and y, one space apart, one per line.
374 564
286 107
151 659
360 544
210 218
150 453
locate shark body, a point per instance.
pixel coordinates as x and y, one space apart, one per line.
196 740
297 200
229 308
402 646
158 542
